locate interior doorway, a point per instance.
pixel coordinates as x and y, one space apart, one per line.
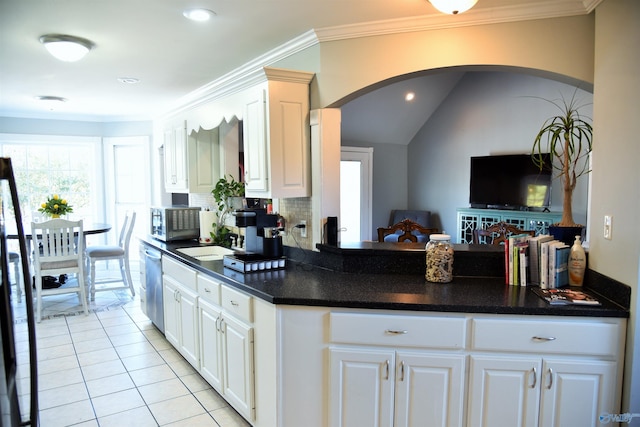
356 172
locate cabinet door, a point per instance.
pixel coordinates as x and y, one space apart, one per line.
362 384
504 391
255 144
188 325
210 344
180 137
577 392
170 305
429 387
175 158
204 160
238 366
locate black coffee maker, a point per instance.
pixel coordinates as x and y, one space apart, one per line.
262 236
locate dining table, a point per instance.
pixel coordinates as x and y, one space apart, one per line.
88 228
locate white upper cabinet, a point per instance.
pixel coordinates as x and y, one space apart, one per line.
273 105
203 158
175 160
191 162
276 128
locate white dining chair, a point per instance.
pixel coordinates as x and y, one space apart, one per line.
58 249
120 253
14 259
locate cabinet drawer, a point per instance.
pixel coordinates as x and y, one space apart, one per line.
398 330
540 337
209 289
181 273
237 303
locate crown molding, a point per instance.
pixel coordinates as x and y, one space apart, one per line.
253 72
248 75
477 16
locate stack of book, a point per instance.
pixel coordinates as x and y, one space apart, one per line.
538 260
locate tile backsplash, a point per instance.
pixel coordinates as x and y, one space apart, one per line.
293 210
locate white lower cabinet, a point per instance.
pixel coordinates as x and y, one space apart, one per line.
283 366
181 318
362 384
532 391
237 350
405 384
378 387
570 377
227 356
210 344
211 325
429 387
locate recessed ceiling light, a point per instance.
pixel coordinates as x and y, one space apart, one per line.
409 96
128 80
66 48
199 15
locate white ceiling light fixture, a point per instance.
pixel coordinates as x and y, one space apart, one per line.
66 48
128 80
409 96
198 15
51 102
453 7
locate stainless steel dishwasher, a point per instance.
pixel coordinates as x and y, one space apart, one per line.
153 273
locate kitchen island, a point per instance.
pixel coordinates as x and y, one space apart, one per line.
312 339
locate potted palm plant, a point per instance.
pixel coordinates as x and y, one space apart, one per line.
228 194
568 138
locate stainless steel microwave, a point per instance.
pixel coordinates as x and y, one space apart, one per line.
175 223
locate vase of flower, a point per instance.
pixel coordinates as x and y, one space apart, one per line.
55 206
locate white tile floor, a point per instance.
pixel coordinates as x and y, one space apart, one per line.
113 368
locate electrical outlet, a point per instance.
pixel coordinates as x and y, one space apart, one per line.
607 226
303 231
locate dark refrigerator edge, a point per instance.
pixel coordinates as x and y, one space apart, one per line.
10 404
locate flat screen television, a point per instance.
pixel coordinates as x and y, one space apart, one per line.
510 181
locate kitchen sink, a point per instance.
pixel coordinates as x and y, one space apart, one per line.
206 253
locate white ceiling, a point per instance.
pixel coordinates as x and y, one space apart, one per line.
152 41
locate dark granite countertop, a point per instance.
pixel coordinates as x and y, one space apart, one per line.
310 285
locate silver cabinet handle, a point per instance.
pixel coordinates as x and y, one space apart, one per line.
402 370
207 290
536 338
386 365
550 379
234 303
395 332
535 377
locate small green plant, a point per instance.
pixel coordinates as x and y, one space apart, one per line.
225 189
568 138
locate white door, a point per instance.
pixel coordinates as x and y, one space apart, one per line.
362 385
429 387
583 384
255 143
210 344
504 391
356 175
127 184
170 303
188 323
238 359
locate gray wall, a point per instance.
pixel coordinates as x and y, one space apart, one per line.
390 188
486 113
